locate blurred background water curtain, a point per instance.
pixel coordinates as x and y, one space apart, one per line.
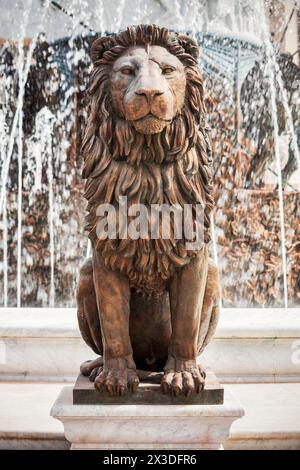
250 62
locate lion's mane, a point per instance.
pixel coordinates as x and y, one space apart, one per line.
172 167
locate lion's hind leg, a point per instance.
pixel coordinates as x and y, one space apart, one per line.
210 307
88 319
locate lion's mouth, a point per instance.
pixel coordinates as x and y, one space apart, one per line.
150 124
150 116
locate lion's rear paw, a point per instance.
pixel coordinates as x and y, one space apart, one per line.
117 378
91 368
182 377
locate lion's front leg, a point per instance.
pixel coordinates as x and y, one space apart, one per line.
181 373
113 298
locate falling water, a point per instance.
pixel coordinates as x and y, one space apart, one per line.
6 165
271 74
287 110
47 159
3 142
51 223
215 248
20 173
17 125
280 188
5 263
100 16
120 14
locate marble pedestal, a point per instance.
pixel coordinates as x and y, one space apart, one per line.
118 427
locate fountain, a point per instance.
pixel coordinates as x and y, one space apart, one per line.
42 91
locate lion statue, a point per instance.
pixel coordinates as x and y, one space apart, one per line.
148 303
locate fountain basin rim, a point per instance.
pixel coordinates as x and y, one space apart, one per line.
234 323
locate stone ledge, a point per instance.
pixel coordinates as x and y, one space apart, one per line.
272 418
259 323
250 345
24 417
150 426
271 421
38 323
234 323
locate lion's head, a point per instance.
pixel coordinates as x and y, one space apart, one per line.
146 137
145 82
147 87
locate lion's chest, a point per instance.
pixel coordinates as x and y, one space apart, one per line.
145 243
148 264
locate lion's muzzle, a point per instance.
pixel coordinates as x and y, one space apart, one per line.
148 97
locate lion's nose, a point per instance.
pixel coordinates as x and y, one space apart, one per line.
149 93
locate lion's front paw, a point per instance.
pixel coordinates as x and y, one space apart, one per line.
117 377
182 376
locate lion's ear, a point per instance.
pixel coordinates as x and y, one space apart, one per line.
100 46
189 45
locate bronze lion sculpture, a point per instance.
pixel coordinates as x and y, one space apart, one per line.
147 304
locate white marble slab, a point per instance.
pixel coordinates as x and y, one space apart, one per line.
272 417
38 322
24 417
250 345
271 420
233 323
146 426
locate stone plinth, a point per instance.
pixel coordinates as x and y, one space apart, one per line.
148 393
144 426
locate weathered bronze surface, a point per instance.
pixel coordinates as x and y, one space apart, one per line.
147 303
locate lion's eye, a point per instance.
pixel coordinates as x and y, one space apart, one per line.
167 70
127 71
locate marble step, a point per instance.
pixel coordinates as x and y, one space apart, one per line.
272 417
271 421
250 345
24 417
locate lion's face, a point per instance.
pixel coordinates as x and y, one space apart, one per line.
147 87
